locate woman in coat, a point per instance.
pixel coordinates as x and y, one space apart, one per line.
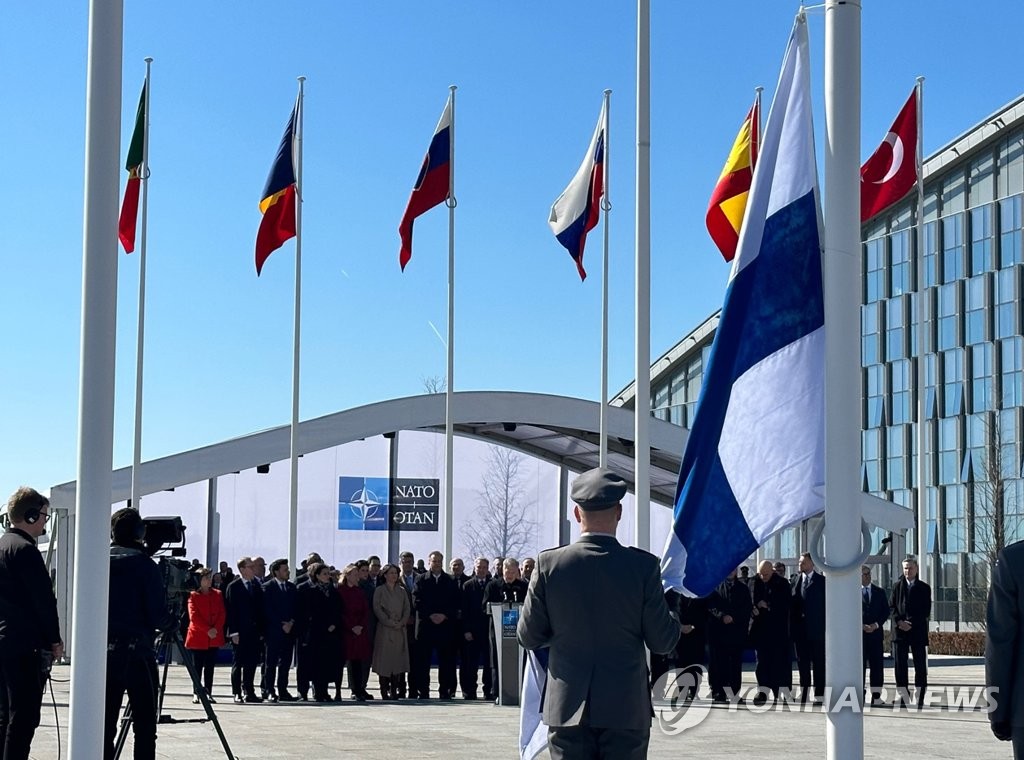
390 646
205 634
356 630
322 613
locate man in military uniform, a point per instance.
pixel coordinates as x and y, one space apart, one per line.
596 604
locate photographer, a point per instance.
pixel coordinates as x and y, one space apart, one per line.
29 629
137 611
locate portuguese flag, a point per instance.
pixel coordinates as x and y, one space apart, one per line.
130 205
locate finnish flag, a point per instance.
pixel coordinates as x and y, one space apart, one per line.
754 460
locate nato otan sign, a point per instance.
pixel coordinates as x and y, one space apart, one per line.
377 503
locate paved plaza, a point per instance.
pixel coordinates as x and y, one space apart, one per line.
473 730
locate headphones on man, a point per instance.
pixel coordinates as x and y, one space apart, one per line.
32 515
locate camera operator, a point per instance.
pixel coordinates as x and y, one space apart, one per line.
137 611
29 628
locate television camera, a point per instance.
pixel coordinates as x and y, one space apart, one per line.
164 539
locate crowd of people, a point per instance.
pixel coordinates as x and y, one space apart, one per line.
782 618
391 619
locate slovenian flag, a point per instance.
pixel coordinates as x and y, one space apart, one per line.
754 460
433 185
576 211
278 203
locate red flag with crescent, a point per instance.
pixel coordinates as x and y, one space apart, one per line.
891 171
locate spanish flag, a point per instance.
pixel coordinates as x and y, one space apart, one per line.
278 204
130 204
729 199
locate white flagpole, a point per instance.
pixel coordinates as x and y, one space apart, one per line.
841 275
606 207
449 424
293 503
641 445
922 316
96 387
141 332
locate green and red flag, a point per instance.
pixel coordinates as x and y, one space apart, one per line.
130 204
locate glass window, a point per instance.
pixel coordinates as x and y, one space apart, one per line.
896 457
1013 509
949 316
949 456
952 247
874 262
902 382
982 239
982 378
1011 165
677 400
931 250
931 384
982 177
875 389
872 457
953 196
979 431
1006 312
659 401
1007 439
870 324
1010 231
976 321
953 382
895 329
900 274
1012 374
956 519
694 380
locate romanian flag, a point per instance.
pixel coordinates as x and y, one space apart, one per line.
729 199
433 185
278 204
130 204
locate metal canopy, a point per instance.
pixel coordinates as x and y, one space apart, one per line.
558 429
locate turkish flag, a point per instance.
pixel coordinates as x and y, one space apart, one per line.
891 171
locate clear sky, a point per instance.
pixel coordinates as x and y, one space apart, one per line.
530 77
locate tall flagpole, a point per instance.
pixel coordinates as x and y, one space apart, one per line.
293 503
841 278
141 332
449 424
641 445
922 350
96 385
606 207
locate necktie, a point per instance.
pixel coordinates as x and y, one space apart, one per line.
867 599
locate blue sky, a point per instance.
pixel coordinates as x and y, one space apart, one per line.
530 77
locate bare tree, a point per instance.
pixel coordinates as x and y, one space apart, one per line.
433 384
433 454
501 525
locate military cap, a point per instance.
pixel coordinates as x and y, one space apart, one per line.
599 488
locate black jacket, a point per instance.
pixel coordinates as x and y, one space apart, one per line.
730 598
279 607
808 608
913 605
874 611
244 609
432 596
28 608
138 602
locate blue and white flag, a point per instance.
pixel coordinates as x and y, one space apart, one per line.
575 212
533 733
754 460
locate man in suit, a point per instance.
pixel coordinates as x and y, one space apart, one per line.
1004 666
911 605
244 601
808 628
436 602
596 604
457 570
729 610
875 611
475 624
772 598
407 566
507 586
280 601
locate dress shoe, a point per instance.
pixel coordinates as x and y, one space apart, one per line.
252 699
470 696
195 699
271 698
238 700
760 699
358 697
288 697
210 699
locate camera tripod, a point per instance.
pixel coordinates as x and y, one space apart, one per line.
169 643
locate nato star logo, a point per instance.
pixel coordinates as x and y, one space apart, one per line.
362 503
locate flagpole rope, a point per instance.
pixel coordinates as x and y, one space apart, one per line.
818 557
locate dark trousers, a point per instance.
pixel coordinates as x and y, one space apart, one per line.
245 658
131 672
1018 743
435 638
358 675
810 661
21 693
205 660
415 688
586 743
774 669
725 669
303 673
474 654
901 650
278 662
874 662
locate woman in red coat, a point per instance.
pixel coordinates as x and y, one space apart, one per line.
205 628
355 625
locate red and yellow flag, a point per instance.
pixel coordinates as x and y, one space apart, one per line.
729 199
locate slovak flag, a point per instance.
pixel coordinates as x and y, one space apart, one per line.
433 185
891 171
576 211
754 460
